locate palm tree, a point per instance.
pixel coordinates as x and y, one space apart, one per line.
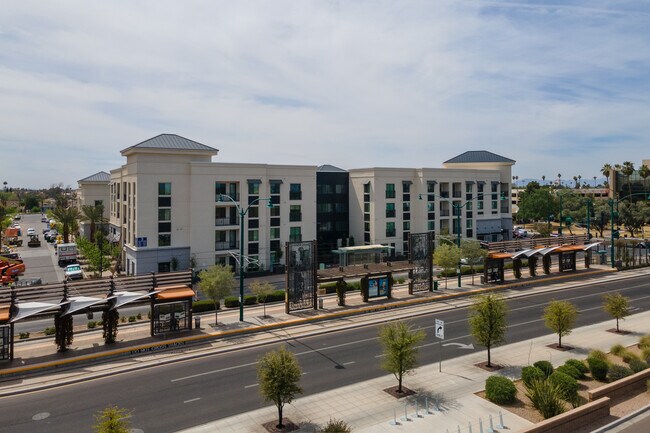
627 171
575 179
579 179
559 178
94 215
544 179
644 172
68 218
594 181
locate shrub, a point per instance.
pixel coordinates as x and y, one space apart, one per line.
139 316
123 319
617 350
598 368
599 354
628 356
91 324
131 319
578 365
637 365
500 390
644 342
24 335
531 373
617 372
49 330
231 302
569 371
567 384
250 299
546 397
646 354
276 296
336 426
201 306
545 366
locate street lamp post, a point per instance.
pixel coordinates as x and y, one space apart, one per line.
242 213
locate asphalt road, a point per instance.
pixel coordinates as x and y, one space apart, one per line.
184 394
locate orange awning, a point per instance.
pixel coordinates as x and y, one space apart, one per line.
4 313
177 292
569 248
497 255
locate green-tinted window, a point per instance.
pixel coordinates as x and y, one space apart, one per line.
275 188
274 232
164 214
253 235
164 240
164 188
253 188
390 190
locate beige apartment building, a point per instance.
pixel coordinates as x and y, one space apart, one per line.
165 207
93 190
172 207
387 204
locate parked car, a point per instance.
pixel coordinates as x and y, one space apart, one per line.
31 231
73 272
45 220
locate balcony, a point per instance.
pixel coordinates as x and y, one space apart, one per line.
219 222
225 246
234 196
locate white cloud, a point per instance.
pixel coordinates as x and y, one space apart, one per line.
560 88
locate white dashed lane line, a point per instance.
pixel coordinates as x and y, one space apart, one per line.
192 399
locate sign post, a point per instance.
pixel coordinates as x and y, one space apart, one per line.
440 333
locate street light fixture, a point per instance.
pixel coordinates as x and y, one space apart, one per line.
242 213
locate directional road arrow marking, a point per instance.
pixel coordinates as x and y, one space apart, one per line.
469 346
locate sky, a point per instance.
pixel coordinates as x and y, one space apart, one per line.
558 86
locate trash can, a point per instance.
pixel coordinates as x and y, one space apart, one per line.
435 285
197 322
320 303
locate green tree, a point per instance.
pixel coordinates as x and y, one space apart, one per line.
399 342
617 306
559 317
447 256
473 252
262 290
112 420
644 172
68 217
627 170
94 215
279 375
544 229
487 321
217 282
537 205
633 216
600 206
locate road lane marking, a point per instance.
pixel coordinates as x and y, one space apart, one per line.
349 363
252 386
192 399
214 371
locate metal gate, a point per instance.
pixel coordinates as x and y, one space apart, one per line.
301 276
5 342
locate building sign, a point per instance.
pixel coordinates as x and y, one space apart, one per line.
421 257
378 287
141 242
301 276
5 341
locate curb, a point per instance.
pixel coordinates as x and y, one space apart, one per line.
198 339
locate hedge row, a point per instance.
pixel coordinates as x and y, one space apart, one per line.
233 302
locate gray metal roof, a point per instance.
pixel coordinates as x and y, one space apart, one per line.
330 169
171 142
478 156
102 176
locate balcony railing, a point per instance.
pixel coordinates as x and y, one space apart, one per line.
234 196
226 221
224 246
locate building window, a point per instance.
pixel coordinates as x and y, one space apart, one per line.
164 202
431 225
390 229
165 227
164 240
253 188
390 210
275 188
220 188
295 234
366 207
164 266
294 213
254 248
390 190
406 206
253 224
275 222
294 192
406 225
275 211
366 237
253 235
431 187
164 214
274 233
165 188
341 207
254 212
469 187
406 187
366 188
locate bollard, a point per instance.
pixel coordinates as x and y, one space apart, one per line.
406 417
491 428
501 425
394 421
426 404
469 427
436 407
480 425
417 415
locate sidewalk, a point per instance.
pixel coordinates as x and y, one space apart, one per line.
368 409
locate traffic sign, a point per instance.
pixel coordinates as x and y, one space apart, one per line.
440 329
